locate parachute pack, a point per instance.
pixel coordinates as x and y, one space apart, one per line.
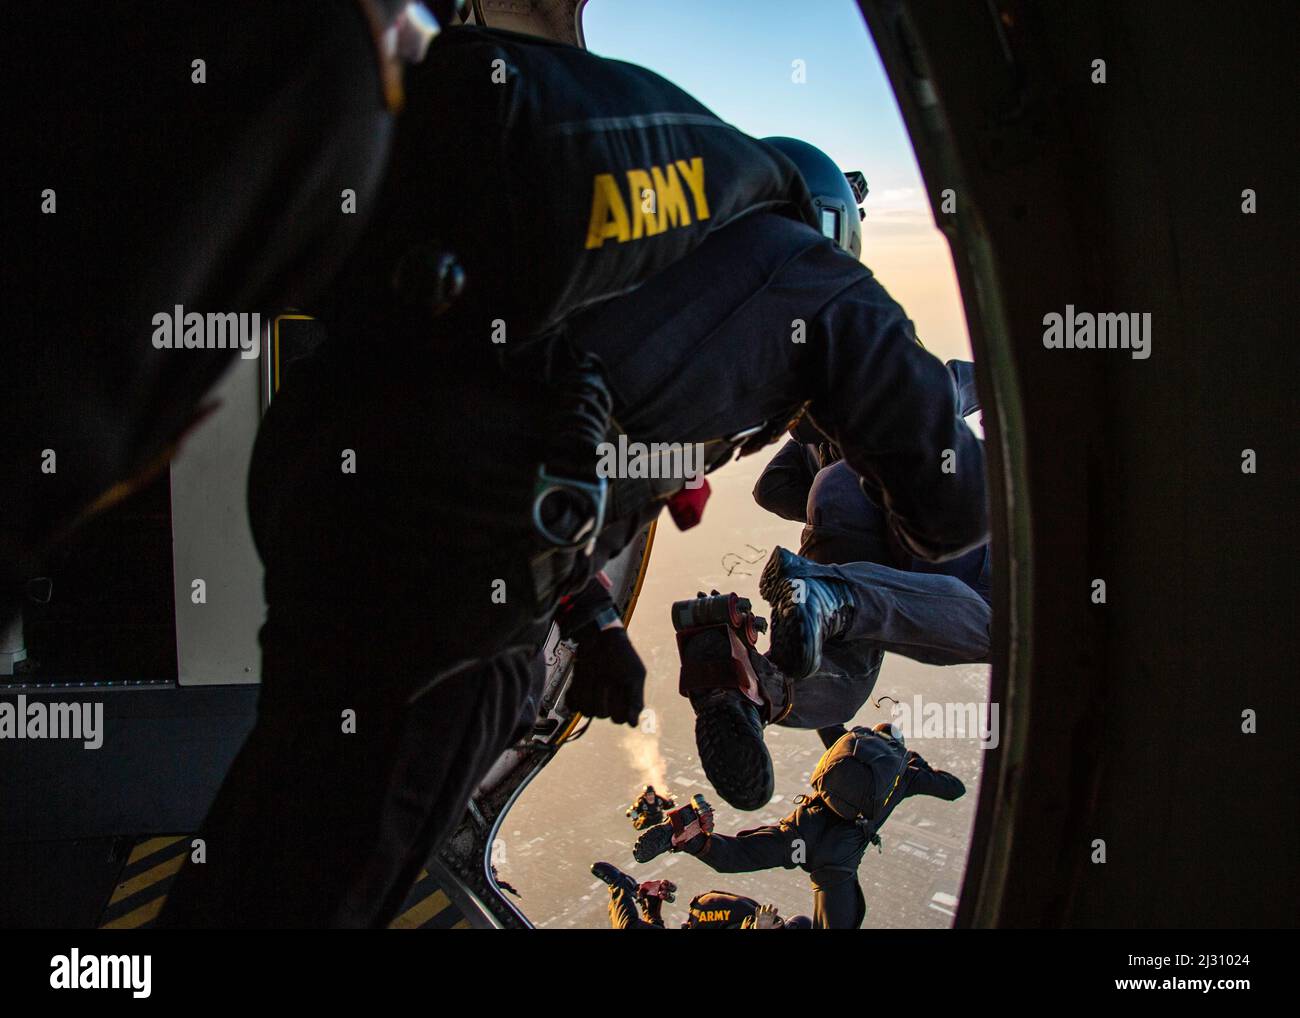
558 178
859 775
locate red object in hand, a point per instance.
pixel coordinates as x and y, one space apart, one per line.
690 821
687 506
664 890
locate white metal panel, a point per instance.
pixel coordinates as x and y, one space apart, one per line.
216 642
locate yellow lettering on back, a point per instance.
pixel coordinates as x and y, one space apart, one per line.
693 171
608 216
673 209
644 222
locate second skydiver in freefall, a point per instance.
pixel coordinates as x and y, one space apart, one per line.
392 496
857 784
848 597
649 808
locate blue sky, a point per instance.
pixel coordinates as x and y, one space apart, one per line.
736 57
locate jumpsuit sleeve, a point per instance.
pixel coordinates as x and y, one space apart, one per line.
891 407
831 734
763 848
922 779
583 607
782 487
963 378
623 912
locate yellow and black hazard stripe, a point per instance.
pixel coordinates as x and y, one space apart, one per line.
147 876
143 883
427 907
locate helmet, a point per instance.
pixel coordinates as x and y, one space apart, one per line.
797 922
835 199
890 731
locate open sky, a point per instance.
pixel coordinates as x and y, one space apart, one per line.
738 58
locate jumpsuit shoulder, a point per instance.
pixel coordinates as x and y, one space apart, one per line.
801 259
922 779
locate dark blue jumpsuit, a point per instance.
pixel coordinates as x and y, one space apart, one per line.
823 844
765 316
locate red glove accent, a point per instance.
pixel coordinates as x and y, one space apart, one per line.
687 506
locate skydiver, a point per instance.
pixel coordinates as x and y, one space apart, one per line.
851 594
710 910
767 325
829 831
247 129
649 808
633 905
404 633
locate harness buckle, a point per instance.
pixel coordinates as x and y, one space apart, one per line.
565 496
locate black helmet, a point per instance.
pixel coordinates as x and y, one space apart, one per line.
891 732
836 200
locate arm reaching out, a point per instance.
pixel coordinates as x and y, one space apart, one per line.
925 780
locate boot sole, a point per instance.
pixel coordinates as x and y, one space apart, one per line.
790 637
653 843
729 739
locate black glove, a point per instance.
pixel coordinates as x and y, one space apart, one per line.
608 676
